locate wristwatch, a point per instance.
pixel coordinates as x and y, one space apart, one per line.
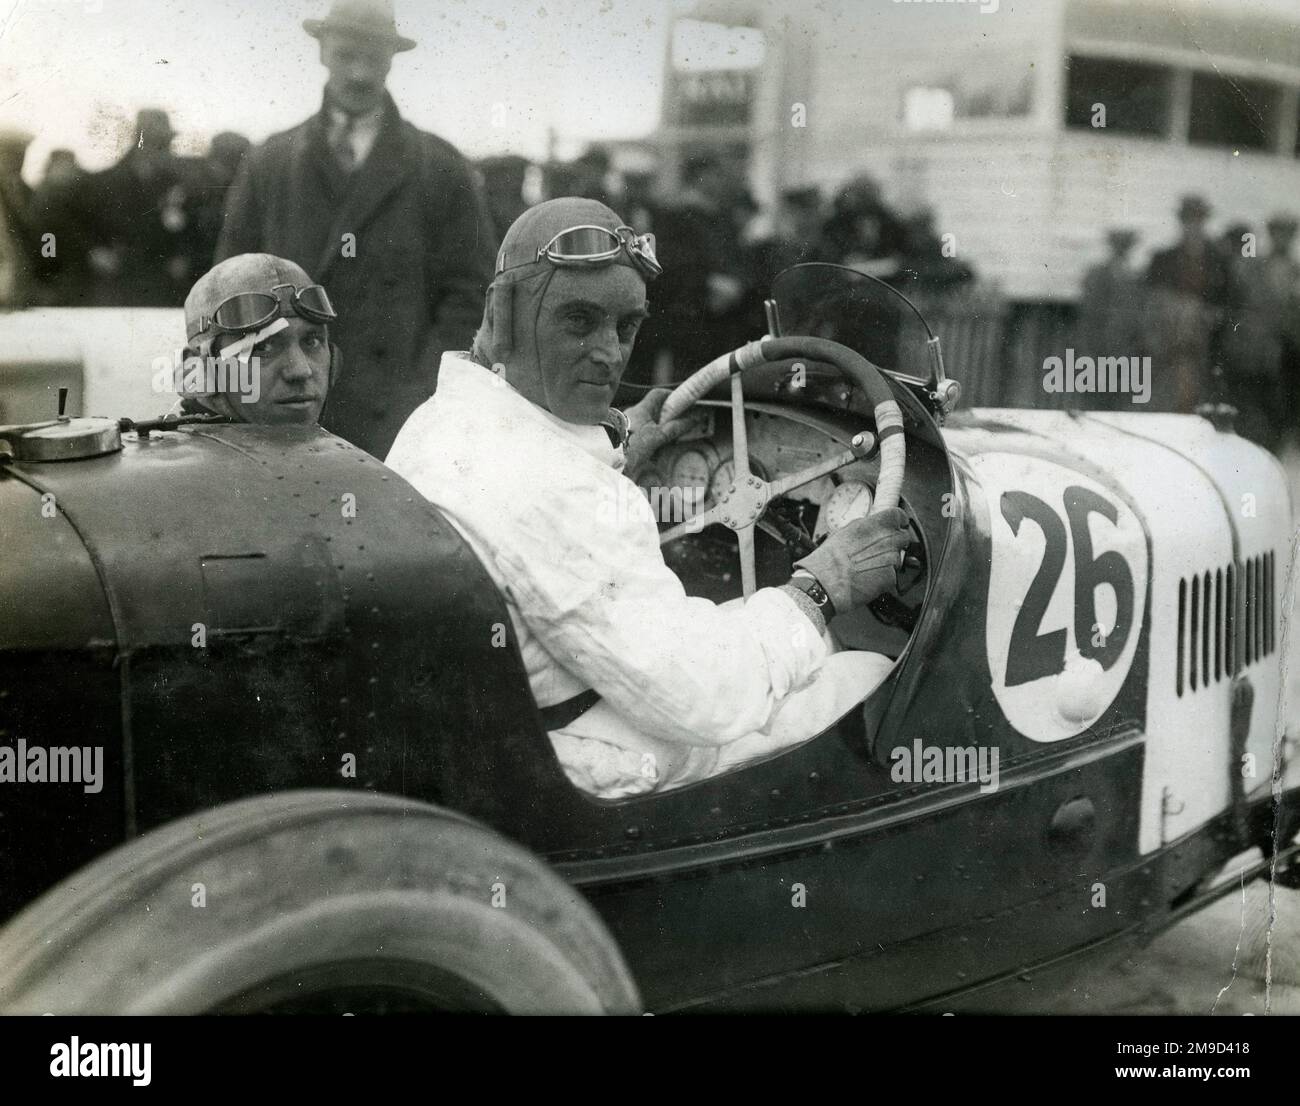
807 583
619 428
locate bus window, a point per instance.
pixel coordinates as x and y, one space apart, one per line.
1229 111
1136 96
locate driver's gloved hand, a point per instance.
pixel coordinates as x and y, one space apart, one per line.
646 435
860 561
646 410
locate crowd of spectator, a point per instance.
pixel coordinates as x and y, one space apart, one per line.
721 250
140 232
419 226
1220 318
135 234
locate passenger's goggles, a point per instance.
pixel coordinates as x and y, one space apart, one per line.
592 245
245 312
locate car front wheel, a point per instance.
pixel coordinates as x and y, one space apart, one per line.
313 901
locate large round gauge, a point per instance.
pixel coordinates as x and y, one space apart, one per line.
694 465
851 500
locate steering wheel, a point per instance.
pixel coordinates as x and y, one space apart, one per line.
743 503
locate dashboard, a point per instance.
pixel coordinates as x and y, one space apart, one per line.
697 469
688 476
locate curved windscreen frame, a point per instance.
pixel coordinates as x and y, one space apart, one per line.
825 300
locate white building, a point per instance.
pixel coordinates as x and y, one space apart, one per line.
1030 127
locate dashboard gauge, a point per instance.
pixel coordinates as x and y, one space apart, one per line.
694 465
851 500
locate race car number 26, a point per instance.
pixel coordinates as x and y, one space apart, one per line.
1067 585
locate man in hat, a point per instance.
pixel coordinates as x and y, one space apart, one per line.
1190 284
1192 266
142 223
1112 308
705 270
390 216
59 208
19 245
1261 347
640 686
257 344
503 187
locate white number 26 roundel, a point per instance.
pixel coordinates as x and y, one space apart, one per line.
1067 591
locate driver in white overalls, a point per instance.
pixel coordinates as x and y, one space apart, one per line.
641 687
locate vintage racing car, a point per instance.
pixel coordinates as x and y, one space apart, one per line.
325 785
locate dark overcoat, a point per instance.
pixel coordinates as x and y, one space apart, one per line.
147 221
403 245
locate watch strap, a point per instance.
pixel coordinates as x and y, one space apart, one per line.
807 583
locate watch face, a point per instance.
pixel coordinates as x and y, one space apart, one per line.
618 421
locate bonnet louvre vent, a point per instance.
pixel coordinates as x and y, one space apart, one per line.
1226 621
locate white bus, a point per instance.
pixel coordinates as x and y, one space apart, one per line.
1029 127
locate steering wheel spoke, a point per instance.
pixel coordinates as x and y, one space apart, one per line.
741 507
748 573
694 524
811 473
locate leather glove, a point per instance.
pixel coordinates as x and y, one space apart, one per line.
646 436
860 561
646 410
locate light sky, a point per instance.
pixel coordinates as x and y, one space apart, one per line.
488 75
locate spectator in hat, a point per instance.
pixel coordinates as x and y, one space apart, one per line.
1260 349
1193 266
862 232
142 222
924 263
638 198
59 208
588 175
1190 284
782 239
503 187
19 241
390 217
1112 305
704 276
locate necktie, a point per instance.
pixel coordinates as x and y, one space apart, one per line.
341 144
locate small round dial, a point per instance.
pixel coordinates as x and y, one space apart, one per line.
694 465
851 500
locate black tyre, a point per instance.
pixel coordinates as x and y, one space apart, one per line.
320 901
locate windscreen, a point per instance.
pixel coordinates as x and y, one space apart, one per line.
858 311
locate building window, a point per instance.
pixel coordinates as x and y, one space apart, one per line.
1229 111
928 109
1136 96
1000 87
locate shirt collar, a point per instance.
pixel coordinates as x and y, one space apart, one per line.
370 120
